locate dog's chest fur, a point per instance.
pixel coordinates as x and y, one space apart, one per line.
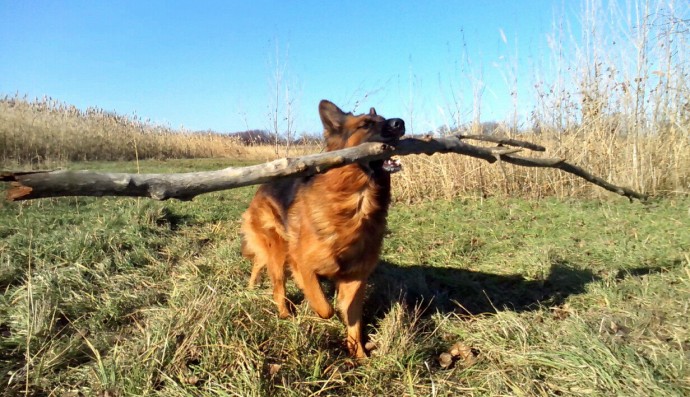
341 220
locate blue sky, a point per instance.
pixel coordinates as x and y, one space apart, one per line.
210 65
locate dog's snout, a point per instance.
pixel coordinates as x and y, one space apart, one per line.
395 127
396 124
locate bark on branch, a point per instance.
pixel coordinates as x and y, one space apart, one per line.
185 186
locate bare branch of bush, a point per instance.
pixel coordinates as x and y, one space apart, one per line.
185 186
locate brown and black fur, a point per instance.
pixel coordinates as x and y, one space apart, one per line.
328 225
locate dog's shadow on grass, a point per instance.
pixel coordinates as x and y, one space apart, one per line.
461 291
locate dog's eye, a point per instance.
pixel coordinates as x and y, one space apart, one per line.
366 124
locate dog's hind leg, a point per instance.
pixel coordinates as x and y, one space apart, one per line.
266 250
253 250
350 301
256 274
309 283
276 271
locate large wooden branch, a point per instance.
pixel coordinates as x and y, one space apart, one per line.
185 186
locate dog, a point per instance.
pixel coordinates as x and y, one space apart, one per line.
328 225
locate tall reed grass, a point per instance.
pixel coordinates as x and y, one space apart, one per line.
46 130
654 164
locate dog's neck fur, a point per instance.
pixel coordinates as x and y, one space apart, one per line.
369 178
373 168
369 185
358 216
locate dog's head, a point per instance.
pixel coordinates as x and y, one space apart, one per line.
343 130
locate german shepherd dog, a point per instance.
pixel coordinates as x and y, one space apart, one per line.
328 225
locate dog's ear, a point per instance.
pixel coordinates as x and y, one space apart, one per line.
331 117
372 112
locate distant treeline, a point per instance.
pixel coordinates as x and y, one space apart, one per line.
264 137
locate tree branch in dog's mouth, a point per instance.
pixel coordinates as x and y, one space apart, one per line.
185 186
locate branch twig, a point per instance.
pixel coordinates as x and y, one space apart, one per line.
504 141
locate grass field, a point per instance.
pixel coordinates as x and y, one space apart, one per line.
125 297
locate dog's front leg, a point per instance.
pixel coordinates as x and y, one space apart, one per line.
350 301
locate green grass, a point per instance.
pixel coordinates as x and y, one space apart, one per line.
128 297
